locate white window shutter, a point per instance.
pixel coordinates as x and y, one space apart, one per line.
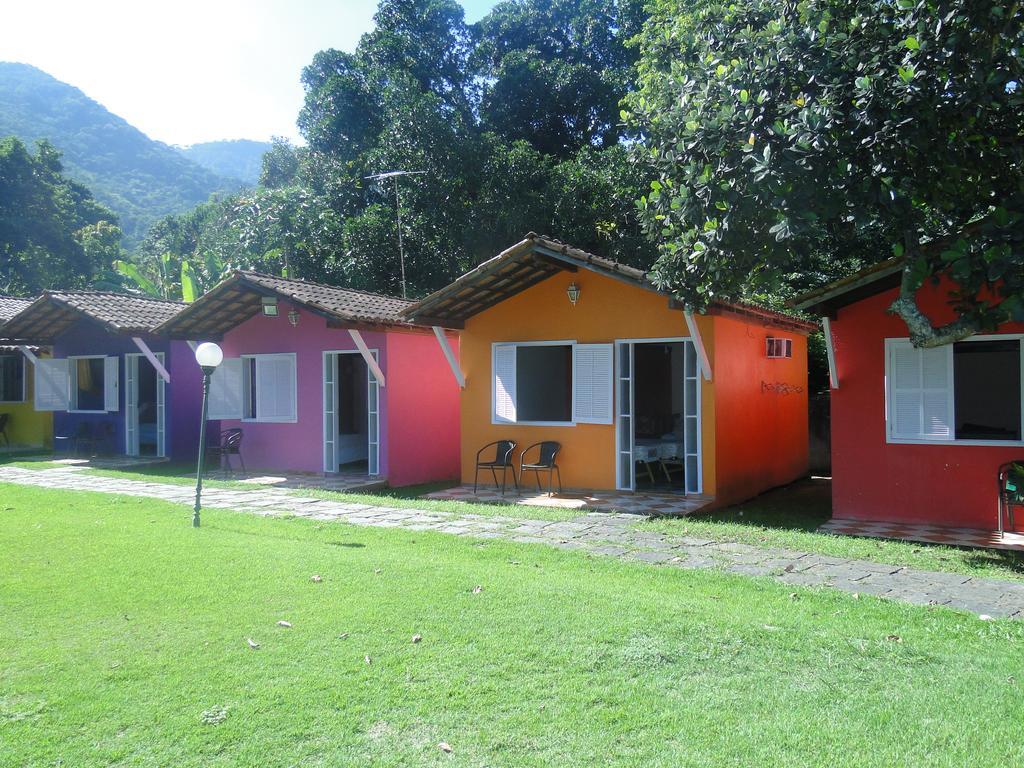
226 390
504 383
920 392
111 384
52 384
275 388
592 383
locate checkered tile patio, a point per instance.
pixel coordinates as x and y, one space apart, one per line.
931 534
648 504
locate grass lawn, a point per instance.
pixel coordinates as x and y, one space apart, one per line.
125 642
788 517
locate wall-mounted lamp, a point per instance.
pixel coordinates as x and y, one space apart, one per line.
293 317
573 292
269 306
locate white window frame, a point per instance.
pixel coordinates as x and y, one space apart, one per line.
783 341
24 378
890 342
73 383
257 419
572 408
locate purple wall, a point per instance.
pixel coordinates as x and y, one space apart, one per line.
183 393
298 446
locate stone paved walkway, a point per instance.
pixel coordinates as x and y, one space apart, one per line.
599 533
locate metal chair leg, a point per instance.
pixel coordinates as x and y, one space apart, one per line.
476 477
559 478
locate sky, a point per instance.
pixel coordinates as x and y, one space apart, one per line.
189 71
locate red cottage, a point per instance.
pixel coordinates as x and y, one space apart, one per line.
918 435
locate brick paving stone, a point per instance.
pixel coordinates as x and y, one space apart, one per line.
599 533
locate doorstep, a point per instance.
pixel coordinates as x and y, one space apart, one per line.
646 504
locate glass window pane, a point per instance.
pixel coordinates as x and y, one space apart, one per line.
544 383
987 394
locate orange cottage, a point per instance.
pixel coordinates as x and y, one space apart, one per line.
561 345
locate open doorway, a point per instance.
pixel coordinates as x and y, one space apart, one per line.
658 425
351 415
144 406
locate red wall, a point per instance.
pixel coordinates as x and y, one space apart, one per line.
760 410
873 480
423 410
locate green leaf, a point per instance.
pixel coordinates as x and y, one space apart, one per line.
132 272
912 44
864 83
721 69
189 285
907 73
744 96
897 250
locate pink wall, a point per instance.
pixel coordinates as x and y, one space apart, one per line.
423 403
298 446
874 480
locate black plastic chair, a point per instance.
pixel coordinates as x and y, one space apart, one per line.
85 438
1011 491
503 451
5 419
547 453
230 445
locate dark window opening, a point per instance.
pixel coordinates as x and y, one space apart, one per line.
12 378
987 390
89 375
544 383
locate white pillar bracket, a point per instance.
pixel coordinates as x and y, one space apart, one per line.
830 351
698 343
357 338
157 365
449 355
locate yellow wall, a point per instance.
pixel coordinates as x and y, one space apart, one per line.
607 310
28 427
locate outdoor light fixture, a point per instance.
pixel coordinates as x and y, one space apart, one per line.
293 317
269 306
209 356
573 292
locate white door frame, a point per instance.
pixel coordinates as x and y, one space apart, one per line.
330 411
625 413
131 405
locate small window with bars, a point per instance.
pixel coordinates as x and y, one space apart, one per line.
778 348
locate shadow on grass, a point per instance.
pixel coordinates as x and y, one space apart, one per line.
800 506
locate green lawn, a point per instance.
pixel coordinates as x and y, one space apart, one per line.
124 641
789 517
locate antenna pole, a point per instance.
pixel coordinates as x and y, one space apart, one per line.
401 251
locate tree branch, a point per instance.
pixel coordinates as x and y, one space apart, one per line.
922 332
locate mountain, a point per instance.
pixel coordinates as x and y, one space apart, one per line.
237 159
138 178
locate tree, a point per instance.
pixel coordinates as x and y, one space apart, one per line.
280 164
554 72
794 138
52 233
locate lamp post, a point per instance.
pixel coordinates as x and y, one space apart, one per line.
209 356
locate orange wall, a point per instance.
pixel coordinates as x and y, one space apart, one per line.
607 310
761 410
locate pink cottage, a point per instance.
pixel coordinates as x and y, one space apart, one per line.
326 379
